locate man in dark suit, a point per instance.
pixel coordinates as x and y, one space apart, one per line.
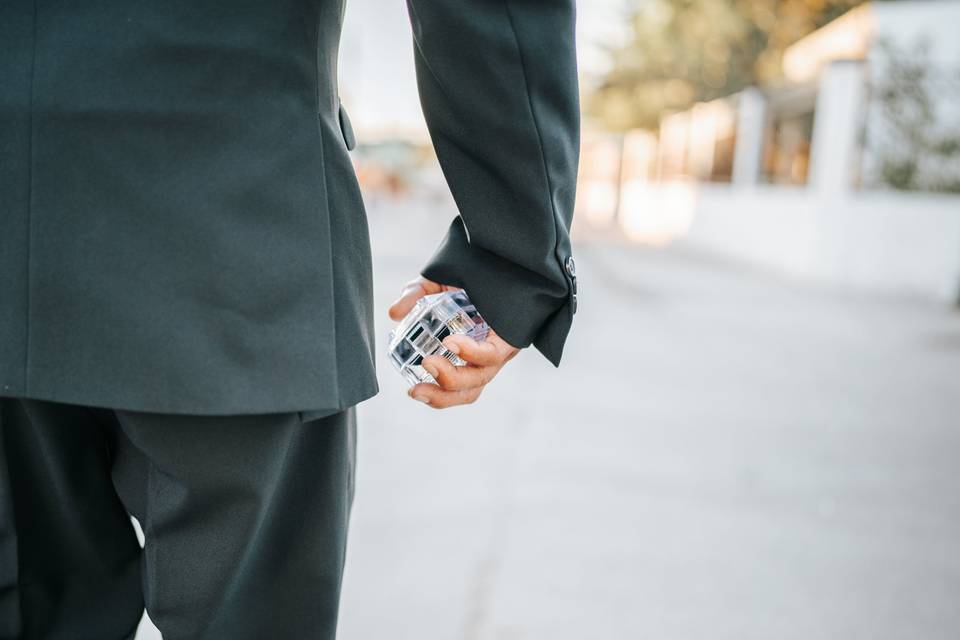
186 321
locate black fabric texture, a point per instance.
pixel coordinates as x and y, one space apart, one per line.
245 521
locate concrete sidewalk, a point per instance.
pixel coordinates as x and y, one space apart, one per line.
721 455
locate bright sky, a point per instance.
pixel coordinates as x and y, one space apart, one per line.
376 59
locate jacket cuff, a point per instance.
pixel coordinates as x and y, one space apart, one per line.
522 306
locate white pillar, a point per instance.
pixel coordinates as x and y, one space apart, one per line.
702 142
837 127
751 125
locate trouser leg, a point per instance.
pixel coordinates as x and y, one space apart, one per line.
69 557
245 520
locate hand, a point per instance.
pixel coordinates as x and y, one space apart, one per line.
455 385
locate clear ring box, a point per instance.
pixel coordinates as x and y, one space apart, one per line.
420 334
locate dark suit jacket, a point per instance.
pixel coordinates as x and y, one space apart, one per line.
181 228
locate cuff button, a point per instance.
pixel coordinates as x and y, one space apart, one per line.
571 267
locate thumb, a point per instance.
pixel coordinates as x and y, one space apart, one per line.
413 291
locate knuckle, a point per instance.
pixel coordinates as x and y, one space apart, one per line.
478 377
442 379
452 381
438 402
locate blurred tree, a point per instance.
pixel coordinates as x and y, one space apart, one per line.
684 51
916 147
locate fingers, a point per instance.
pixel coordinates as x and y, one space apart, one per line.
493 351
413 291
434 396
502 345
463 385
453 378
482 354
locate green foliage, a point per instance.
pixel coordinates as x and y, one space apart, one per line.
918 151
684 51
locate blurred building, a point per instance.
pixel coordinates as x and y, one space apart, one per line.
847 171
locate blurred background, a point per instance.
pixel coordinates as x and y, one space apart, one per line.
755 432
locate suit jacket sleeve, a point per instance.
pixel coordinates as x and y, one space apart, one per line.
498 86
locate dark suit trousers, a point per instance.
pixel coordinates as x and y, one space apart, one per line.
245 519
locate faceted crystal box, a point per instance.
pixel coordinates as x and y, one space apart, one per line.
420 334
